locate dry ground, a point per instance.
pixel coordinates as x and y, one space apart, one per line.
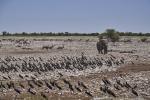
135 71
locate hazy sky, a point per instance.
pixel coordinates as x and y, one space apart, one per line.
74 15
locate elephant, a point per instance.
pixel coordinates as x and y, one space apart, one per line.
102 46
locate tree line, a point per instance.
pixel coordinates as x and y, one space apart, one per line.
5 33
48 34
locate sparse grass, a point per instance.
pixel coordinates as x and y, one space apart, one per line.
84 38
50 37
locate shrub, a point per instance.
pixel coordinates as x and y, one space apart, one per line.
111 34
143 39
115 37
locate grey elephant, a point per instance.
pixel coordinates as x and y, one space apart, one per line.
102 46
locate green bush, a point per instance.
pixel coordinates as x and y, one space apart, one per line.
143 39
115 37
112 35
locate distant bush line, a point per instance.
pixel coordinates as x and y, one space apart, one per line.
69 34
49 34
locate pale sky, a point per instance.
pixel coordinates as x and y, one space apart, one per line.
74 15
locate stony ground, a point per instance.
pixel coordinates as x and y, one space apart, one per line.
73 70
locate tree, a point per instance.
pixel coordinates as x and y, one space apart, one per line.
24 33
111 34
4 33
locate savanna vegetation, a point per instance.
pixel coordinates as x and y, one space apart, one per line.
109 31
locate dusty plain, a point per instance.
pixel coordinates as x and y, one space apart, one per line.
70 68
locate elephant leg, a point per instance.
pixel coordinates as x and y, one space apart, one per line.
101 51
105 50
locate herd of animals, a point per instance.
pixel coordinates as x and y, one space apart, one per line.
34 75
26 44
